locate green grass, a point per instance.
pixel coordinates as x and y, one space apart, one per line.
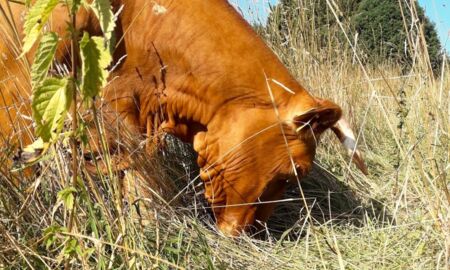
398 217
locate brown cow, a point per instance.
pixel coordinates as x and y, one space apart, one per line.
196 69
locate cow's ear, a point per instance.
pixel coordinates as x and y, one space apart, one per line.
319 118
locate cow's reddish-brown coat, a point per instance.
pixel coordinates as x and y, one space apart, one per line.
196 69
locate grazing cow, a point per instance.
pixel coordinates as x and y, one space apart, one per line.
197 70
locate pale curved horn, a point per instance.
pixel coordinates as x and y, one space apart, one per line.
347 137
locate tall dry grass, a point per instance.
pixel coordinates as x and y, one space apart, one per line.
398 217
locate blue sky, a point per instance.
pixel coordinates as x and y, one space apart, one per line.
254 10
437 10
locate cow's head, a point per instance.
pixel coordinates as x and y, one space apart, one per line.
261 150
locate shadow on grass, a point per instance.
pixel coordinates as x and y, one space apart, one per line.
330 201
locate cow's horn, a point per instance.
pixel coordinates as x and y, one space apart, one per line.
347 137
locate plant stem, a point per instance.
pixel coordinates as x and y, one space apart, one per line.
74 53
74 113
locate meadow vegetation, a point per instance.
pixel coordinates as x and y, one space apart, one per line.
397 217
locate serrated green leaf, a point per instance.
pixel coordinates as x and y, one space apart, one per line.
44 57
35 20
67 197
95 58
51 101
103 11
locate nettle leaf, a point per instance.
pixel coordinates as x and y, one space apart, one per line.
67 196
95 58
103 11
51 101
35 20
44 57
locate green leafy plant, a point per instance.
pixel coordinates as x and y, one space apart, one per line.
95 58
44 58
51 102
35 21
55 97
